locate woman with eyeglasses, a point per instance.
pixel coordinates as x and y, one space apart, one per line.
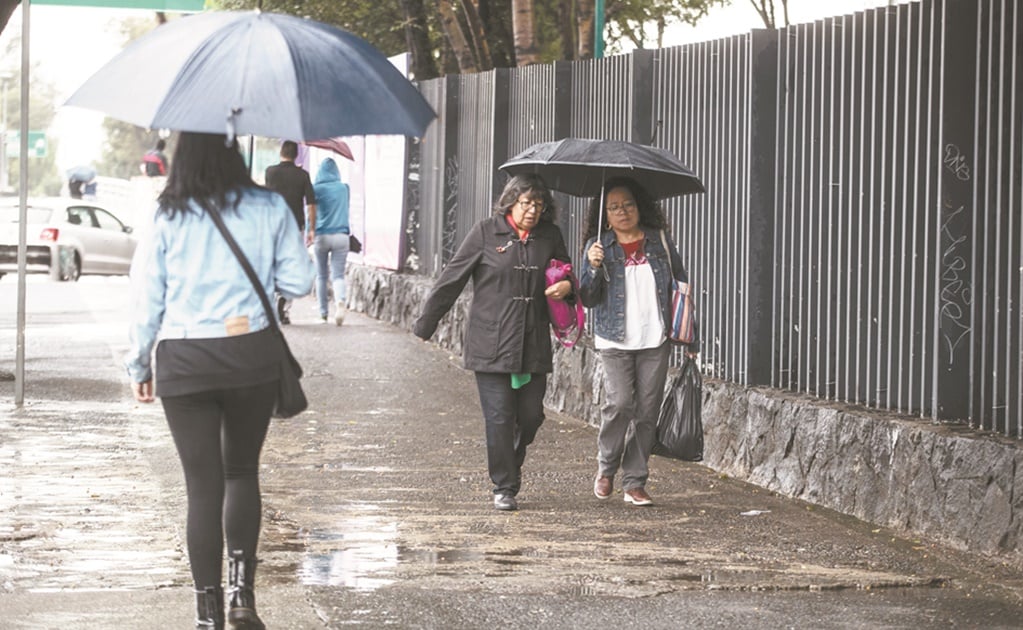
627 287
507 341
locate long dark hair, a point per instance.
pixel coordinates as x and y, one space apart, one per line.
534 187
651 215
206 168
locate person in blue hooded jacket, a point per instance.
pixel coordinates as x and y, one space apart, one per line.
331 242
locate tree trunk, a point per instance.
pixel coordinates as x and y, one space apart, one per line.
456 38
765 8
584 26
524 25
479 37
566 28
496 25
418 41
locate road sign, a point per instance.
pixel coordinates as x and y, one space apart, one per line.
36 143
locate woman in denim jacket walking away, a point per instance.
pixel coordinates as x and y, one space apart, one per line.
216 368
627 287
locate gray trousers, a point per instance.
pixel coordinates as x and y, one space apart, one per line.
633 390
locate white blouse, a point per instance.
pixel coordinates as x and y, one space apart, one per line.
643 325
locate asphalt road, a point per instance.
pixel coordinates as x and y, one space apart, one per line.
377 510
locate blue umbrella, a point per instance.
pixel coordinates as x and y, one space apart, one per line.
255 73
83 173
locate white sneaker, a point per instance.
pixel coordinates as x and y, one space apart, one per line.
339 315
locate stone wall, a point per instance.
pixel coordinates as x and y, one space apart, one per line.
948 483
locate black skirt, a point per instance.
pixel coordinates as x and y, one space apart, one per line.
188 366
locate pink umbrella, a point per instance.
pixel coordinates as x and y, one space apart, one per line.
337 145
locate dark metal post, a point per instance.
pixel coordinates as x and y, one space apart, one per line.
447 223
562 99
955 271
502 128
763 159
642 96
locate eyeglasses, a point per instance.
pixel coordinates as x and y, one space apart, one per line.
622 208
527 205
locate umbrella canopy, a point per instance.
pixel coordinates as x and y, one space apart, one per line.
580 167
255 73
337 145
82 173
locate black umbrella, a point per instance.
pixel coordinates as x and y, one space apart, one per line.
255 73
580 167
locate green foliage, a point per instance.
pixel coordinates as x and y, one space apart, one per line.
635 22
126 143
124 148
382 23
43 178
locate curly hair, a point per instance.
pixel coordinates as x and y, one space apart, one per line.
534 187
206 168
651 215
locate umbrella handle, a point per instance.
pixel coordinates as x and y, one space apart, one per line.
600 222
230 123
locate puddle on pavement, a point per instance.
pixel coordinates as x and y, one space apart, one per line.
363 557
77 504
363 553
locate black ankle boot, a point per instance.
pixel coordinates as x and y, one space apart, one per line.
241 578
209 608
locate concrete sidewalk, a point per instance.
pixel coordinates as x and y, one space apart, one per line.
377 513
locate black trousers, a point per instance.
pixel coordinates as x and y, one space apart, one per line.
219 435
512 418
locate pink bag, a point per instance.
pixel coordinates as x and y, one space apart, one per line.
567 319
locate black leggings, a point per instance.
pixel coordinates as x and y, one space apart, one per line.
219 435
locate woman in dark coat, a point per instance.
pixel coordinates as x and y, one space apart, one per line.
508 340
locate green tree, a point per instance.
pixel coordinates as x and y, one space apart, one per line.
43 178
445 36
629 21
126 143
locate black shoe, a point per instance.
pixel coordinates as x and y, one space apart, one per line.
209 608
505 502
285 320
241 577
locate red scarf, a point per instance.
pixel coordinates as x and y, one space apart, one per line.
523 234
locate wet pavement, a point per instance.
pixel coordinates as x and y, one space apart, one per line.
377 509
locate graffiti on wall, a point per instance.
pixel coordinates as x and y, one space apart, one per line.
955 289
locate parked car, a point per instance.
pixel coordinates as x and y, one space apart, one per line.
65 239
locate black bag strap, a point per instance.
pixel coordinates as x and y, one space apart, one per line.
240 255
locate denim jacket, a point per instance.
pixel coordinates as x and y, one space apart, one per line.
604 294
186 281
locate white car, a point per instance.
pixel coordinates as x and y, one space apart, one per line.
65 238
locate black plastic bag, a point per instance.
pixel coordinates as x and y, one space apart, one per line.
680 423
354 244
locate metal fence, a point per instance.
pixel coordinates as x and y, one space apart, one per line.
861 236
